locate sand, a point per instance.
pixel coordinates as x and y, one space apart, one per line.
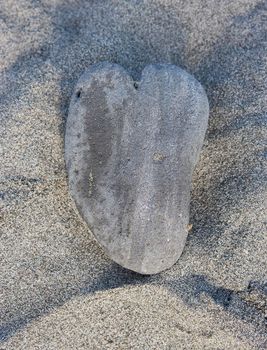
58 289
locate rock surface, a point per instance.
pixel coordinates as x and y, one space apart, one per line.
130 150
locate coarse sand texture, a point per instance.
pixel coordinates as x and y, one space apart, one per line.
59 290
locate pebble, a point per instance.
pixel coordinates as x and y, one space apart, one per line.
130 151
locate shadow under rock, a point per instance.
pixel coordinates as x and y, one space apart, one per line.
190 289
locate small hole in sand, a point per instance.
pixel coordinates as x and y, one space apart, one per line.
135 85
78 93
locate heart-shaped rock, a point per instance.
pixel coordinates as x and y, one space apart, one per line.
130 152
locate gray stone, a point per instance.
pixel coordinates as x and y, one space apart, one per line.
130 150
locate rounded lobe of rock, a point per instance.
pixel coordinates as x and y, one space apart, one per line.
130 150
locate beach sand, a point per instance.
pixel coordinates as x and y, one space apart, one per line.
58 289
